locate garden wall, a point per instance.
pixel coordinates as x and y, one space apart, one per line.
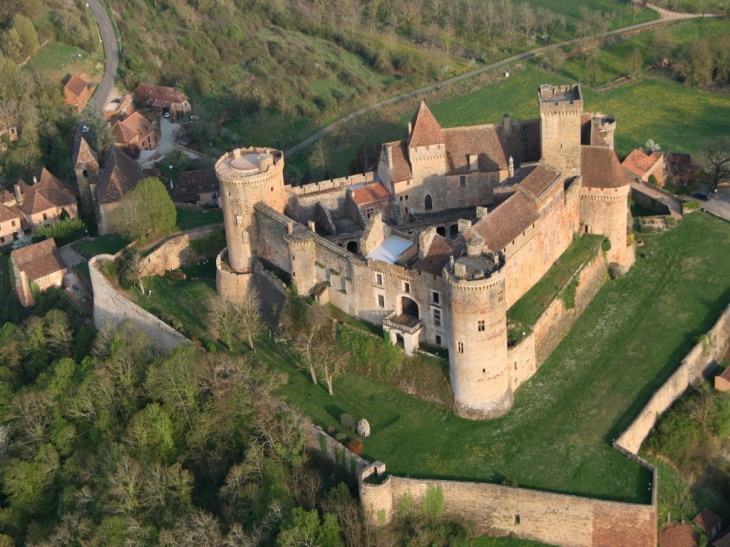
176 252
555 322
112 307
320 442
558 519
649 202
698 363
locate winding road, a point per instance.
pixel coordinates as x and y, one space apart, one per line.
111 53
104 91
665 16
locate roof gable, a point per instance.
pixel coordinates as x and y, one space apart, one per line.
639 162
75 85
84 156
600 168
120 175
425 129
38 260
369 193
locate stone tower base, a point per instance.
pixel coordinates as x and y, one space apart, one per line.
230 285
486 411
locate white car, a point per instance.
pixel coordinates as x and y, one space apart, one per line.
194 118
166 115
85 128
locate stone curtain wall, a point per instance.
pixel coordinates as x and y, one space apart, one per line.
556 321
112 307
557 519
176 252
319 442
698 363
649 202
330 194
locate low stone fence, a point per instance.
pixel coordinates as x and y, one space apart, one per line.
112 307
649 202
557 519
698 363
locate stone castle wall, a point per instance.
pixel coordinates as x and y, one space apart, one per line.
558 519
176 252
555 322
318 441
330 194
698 363
110 306
272 229
649 202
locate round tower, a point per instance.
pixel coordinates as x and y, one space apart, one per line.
247 176
477 332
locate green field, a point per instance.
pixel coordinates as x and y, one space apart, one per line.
188 219
611 59
106 244
557 437
487 541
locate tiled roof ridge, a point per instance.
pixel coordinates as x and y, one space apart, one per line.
425 129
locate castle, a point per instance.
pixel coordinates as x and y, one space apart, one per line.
450 231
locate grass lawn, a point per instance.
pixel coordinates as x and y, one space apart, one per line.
487 541
188 219
106 244
183 300
558 435
528 308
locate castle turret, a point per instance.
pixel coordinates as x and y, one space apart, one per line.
561 108
248 176
477 332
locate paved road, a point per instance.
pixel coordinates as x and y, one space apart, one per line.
104 91
665 16
719 204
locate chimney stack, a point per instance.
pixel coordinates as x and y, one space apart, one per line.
18 195
506 122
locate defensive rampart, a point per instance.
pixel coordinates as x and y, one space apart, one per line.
697 364
558 519
176 252
111 307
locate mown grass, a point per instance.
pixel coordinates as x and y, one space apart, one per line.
106 244
529 308
486 541
188 219
182 300
558 435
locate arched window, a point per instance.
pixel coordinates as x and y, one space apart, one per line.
352 246
429 203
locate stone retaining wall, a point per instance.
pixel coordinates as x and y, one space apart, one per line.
110 306
698 363
176 252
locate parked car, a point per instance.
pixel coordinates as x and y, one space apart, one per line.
85 128
704 196
194 118
166 115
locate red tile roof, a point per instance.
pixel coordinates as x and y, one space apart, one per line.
47 193
7 213
678 535
159 96
369 193
38 260
438 255
120 175
539 179
707 520
601 169
639 162
83 156
190 184
426 130
75 85
512 217
401 169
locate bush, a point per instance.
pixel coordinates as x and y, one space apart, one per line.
355 445
340 437
606 245
653 180
363 428
348 422
62 231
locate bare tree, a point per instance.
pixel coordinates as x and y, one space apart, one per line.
249 320
58 332
223 319
633 63
136 271
304 326
331 361
714 160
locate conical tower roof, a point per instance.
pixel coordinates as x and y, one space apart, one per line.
426 130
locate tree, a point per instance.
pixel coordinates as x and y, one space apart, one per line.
136 271
633 63
306 528
27 34
593 72
146 208
58 332
223 319
662 46
100 131
305 326
252 326
695 63
330 360
714 160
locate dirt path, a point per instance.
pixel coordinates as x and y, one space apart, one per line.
665 16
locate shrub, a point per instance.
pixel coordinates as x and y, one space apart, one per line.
348 422
653 180
355 445
363 428
433 501
63 231
340 437
690 206
212 348
606 245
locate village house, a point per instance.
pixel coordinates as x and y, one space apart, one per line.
166 98
76 92
708 522
200 187
119 108
643 165
43 201
120 174
135 130
11 222
7 127
39 265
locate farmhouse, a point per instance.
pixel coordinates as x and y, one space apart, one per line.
453 228
643 165
76 92
166 98
135 130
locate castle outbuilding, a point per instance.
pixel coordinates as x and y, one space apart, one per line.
451 230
